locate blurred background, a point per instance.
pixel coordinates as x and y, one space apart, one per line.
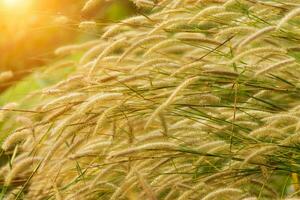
30 30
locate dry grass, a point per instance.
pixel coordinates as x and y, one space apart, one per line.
214 115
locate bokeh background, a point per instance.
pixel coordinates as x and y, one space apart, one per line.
30 31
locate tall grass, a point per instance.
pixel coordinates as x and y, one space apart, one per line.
191 100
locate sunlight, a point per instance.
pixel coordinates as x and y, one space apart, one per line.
15 4
10 3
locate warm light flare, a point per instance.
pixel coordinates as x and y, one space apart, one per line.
11 3
15 4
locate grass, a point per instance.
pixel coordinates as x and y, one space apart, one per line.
154 126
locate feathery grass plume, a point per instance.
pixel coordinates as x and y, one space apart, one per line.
195 37
102 174
186 67
68 49
161 179
258 50
176 49
168 184
221 192
153 135
160 45
189 36
67 99
74 147
92 149
182 86
254 114
225 16
133 21
58 195
24 120
146 40
171 194
81 193
5 110
251 38
254 156
90 4
97 99
188 193
128 181
160 14
151 62
276 66
113 30
5 76
13 194
297 126
231 3
150 146
234 31
208 146
293 13
167 23
109 49
221 174
166 65
250 198
56 114
88 26
144 3
226 118
206 12
169 5
146 187
260 94
261 183
292 198
291 140
281 120
60 126
94 51
290 128
103 118
21 166
114 59
268 132
61 137
221 72
209 99
15 138
134 78
69 83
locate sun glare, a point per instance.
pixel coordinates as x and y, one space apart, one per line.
15 4
11 3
